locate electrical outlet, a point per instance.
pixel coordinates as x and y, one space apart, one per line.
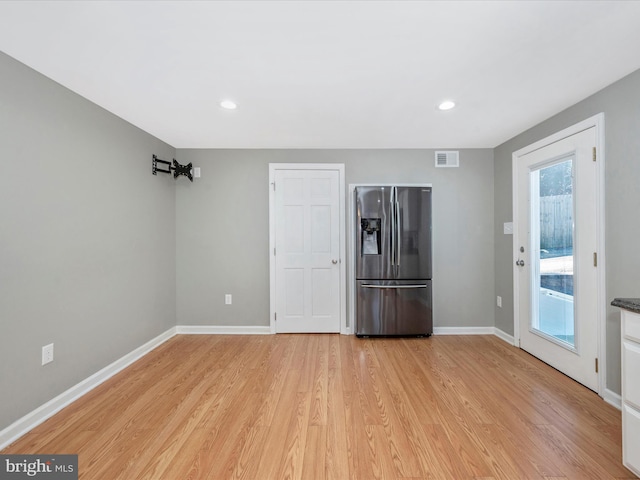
47 354
227 299
499 301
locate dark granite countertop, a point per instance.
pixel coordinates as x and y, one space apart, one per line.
632 304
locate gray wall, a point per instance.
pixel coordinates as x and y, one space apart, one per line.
222 228
87 239
620 103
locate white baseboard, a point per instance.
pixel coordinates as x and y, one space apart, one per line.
612 398
504 336
474 331
53 406
463 330
222 330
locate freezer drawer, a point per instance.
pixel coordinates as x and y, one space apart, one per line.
393 307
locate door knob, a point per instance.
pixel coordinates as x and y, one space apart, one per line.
520 263
334 261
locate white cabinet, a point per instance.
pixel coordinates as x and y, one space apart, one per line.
631 390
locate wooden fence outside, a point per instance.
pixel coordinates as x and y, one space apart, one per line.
556 221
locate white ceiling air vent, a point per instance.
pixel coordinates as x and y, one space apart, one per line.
447 159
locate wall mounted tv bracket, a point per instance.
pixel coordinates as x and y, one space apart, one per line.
176 167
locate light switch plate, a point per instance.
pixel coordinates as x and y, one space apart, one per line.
508 228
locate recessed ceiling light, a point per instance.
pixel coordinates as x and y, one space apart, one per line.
228 104
447 105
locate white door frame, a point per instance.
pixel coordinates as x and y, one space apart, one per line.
596 121
273 167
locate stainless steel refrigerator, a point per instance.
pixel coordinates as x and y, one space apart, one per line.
393 261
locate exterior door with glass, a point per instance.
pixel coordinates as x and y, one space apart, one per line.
556 255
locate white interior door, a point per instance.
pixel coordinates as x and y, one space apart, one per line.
307 251
556 242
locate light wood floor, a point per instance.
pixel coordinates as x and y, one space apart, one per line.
332 406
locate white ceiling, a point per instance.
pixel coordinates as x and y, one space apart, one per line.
328 74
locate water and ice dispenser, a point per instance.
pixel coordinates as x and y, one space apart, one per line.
370 236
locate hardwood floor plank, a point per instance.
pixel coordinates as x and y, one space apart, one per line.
212 440
577 464
140 419
368 385
410 378
404 433
320 384
275 445
381 453
314 466
306 356
470 449
273 381
222 451
443 455
292 462
171 427
504 464
336 407
336 447
358 441
246 466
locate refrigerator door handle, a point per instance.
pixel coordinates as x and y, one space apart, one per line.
394 286
392 223
398 239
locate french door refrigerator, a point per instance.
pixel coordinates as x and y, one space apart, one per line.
393 261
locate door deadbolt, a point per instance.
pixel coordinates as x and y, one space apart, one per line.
520 263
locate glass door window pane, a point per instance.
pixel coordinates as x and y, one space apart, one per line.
552 234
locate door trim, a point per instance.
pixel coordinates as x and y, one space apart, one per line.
596 121
339 167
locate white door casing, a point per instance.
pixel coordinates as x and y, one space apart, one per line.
307 248
575 144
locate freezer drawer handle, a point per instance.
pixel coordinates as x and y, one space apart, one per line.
394 286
